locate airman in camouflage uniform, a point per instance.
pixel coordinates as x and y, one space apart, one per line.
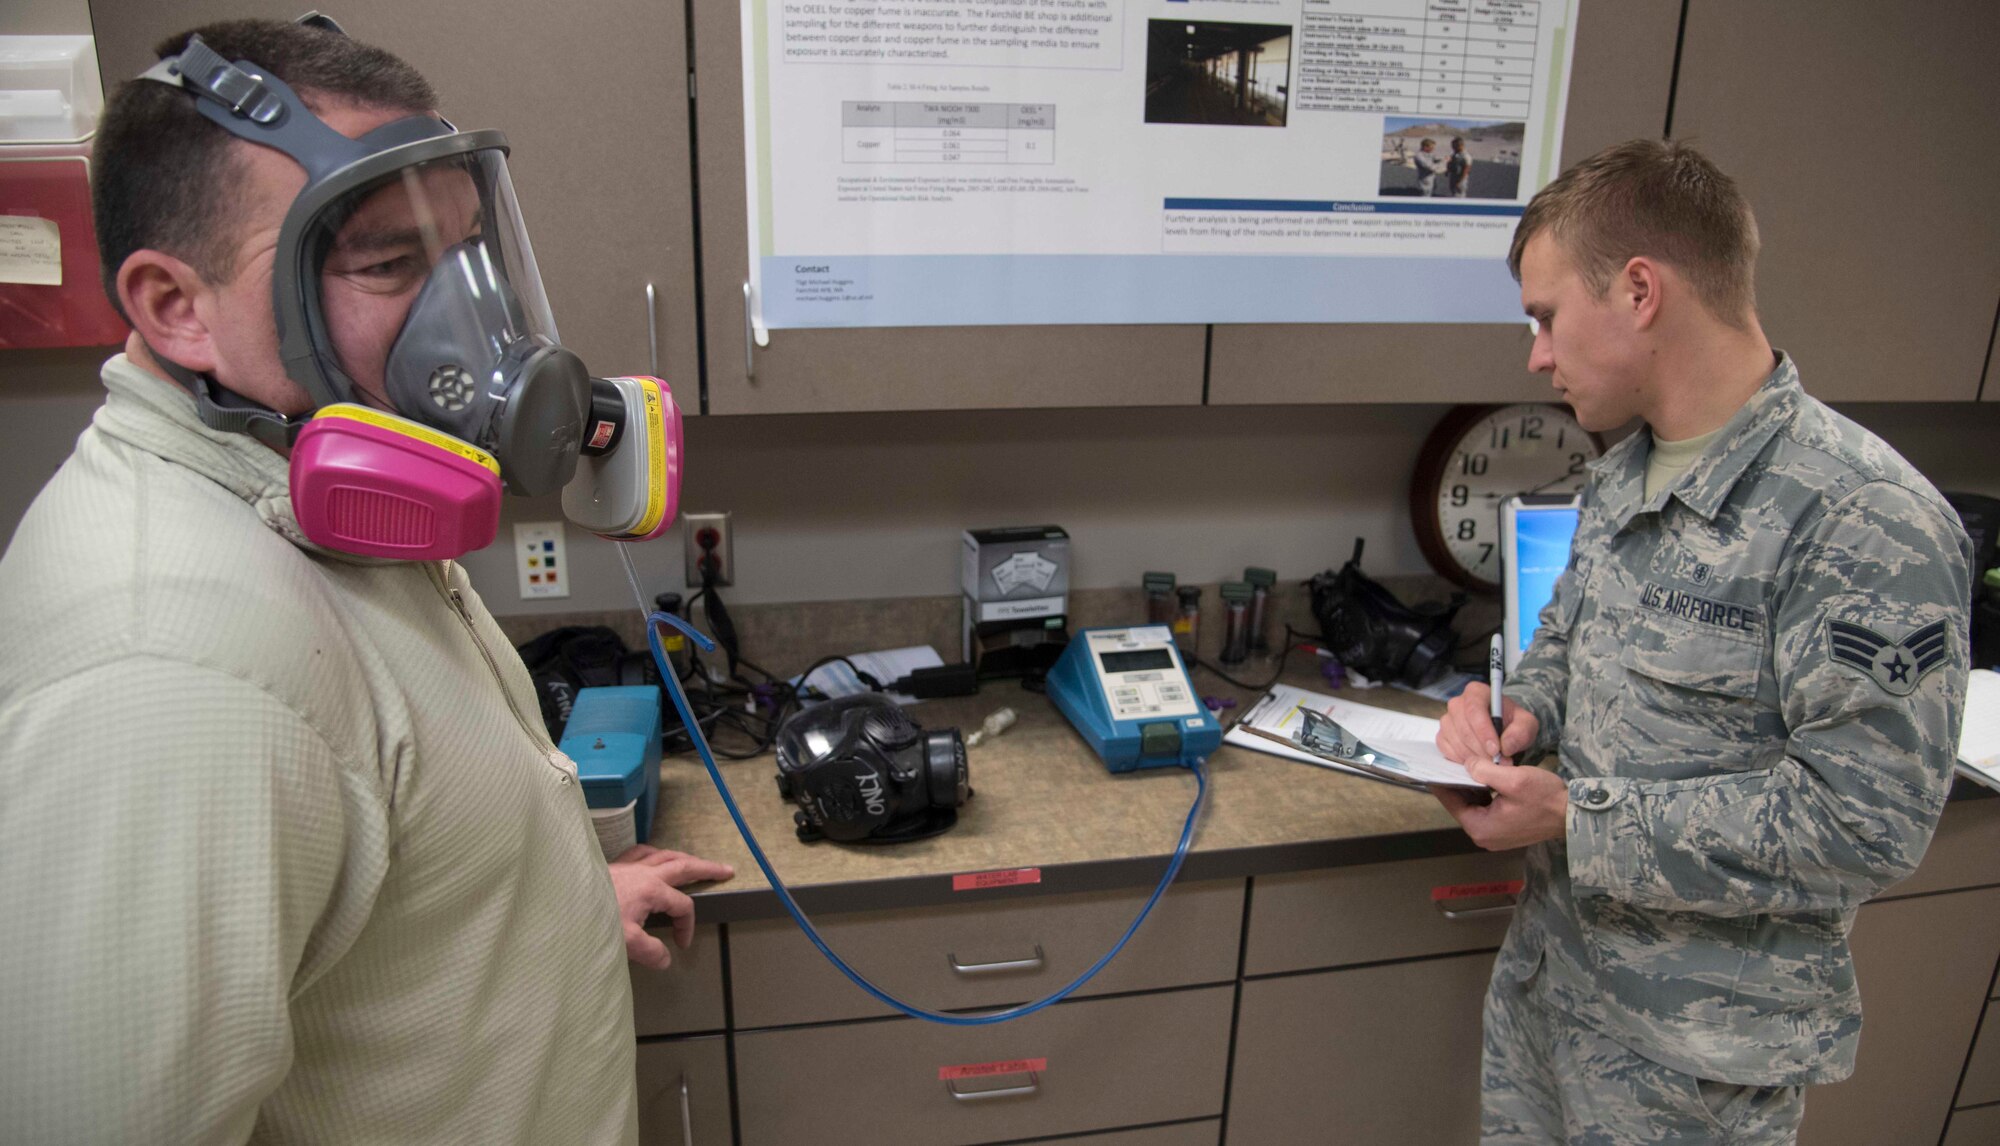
1752 678
1753 682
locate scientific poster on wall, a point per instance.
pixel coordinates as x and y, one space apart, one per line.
972 162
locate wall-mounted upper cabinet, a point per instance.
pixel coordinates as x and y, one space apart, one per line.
890 368
1618 90
1867 138
593 100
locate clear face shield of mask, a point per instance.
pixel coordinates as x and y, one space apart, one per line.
427 299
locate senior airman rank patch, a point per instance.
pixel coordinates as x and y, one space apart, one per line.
1898 666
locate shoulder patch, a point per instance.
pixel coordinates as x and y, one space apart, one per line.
1898 666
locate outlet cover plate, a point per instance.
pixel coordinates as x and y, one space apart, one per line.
691 525
540 559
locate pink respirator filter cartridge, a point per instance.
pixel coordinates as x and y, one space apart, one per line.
377 485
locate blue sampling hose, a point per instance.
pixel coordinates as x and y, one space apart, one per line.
674 692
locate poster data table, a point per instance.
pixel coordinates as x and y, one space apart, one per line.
924 131
1461 58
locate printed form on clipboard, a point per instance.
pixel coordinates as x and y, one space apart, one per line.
1375 742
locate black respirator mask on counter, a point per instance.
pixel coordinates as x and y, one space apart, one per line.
1377 635
861 771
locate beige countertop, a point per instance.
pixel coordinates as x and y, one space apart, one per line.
1043 800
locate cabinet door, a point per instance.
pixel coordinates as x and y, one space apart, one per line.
1385 1054
593 100
686 998
1989 389
893 368
1867 138
1617 91
1981 1086
1924 965
1979 1127
684 1093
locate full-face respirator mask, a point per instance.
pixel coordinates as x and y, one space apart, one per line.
861 771
403 276
1375 634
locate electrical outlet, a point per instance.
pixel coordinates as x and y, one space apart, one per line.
540 559
713 529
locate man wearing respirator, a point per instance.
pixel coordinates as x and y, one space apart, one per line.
288 854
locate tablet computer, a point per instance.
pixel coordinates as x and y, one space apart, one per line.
1535 532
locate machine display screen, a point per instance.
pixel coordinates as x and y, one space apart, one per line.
1541 552
1136 661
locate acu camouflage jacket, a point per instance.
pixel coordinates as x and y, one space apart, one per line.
1754 684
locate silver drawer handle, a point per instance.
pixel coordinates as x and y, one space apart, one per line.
1477 912
1034 1087
687 1115
1034 963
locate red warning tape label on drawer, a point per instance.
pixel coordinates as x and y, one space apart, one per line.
1012 877
983 1069
1474 890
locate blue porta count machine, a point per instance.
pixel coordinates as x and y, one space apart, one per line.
613 734
1128 692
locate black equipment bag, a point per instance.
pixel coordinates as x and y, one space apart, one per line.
1376 635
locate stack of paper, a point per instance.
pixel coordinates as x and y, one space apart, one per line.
1358 738
1979 739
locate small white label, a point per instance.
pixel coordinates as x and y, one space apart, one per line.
540 559
30 251
1009 610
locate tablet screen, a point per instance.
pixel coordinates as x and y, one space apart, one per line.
1537 552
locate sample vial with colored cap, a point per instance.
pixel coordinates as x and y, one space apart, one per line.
1160 608
1187 626
1260 581
1235 622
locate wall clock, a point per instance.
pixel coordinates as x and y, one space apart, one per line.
1477 457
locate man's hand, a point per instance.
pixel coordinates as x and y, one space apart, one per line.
646 879
1528 805
1466 732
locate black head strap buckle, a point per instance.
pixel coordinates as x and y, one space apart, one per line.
208 74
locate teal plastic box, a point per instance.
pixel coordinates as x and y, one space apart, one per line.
613 734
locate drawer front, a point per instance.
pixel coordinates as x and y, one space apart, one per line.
1079 1066
1371 912
1369 1055
984 954
1204 1133
684 1093
687 996
1965 852
1982 1072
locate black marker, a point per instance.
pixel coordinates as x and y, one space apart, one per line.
1496 678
